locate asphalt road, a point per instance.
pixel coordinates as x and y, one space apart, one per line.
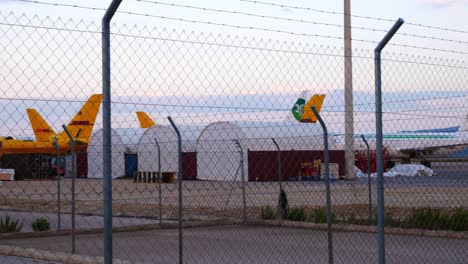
16 260
237 244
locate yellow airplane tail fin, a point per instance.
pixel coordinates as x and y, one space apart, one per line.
308 116
145 120
42 130
81 126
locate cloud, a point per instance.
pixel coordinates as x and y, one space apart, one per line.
442 3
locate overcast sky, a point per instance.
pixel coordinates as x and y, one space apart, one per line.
41 64
439 13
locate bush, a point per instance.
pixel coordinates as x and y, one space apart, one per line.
296 214
9 225
267 213
319 216
428 218
41 224
352 219
390 221
459 220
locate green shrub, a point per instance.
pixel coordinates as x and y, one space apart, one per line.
40 224
459 220
296 214
267 213
389 220
9 225
319 216
351 219
428 218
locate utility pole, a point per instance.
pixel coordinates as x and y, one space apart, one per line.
349 118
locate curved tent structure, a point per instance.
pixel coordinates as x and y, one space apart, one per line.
218 157
148 153
289 136
124 141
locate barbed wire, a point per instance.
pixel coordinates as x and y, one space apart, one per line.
228 45
275 50
225 107
63 5
270 30
296 20
356 16
50 28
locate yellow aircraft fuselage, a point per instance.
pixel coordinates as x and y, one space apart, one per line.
30 147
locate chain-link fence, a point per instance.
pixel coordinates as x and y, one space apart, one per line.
252 177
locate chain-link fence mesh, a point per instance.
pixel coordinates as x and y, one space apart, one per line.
252 175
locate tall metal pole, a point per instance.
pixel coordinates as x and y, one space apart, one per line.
106 120
159 180
179 180
349 114
379 138
72 148
368 179
57 163
327 184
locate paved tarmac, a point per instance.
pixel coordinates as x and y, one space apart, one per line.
16 260
238 244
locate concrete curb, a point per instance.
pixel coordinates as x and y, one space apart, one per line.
293 224
366 229
49 256
115 229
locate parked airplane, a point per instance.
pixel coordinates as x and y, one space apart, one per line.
80 127
423 143
302 111
145 120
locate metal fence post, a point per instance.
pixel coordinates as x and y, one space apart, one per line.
379 138
57 163
244 195
159 180
232 188
282 198
72 148
368 179
279 162
327 184
179 180
106 119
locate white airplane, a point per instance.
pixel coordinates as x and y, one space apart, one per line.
418 143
